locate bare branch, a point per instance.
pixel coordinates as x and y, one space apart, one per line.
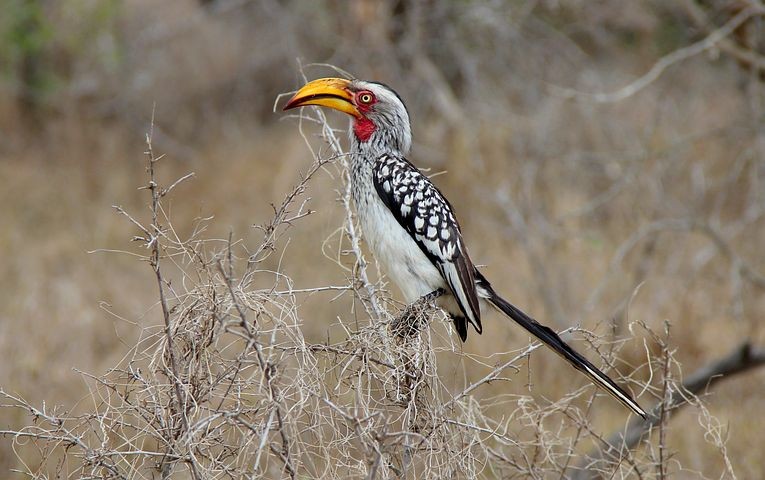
741 359
666 61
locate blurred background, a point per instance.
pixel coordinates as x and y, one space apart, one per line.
592 210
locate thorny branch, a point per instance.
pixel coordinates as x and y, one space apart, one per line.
155 233
284 217
270 373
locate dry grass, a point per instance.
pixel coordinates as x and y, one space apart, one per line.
228 386
613 218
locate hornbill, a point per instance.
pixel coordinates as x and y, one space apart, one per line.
411 227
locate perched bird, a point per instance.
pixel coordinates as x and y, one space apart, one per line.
411 227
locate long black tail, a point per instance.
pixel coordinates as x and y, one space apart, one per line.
552 340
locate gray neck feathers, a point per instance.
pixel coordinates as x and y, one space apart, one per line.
392 136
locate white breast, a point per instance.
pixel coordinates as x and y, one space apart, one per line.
403 261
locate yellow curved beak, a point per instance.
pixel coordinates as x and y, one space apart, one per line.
326 92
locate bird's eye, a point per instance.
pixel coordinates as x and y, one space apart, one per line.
366 98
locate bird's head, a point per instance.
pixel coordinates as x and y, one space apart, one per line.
380 118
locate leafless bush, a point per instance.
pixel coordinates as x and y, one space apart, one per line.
228 387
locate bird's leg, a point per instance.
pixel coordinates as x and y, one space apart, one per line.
428 297
409 321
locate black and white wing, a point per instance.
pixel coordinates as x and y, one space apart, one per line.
421 209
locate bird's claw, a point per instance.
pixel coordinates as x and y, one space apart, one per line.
411 319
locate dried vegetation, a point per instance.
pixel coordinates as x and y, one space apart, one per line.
629 217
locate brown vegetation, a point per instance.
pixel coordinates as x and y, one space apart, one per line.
607 165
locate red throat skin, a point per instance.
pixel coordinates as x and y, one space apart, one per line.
363 128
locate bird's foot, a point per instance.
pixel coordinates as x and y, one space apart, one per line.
413 317
429 297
